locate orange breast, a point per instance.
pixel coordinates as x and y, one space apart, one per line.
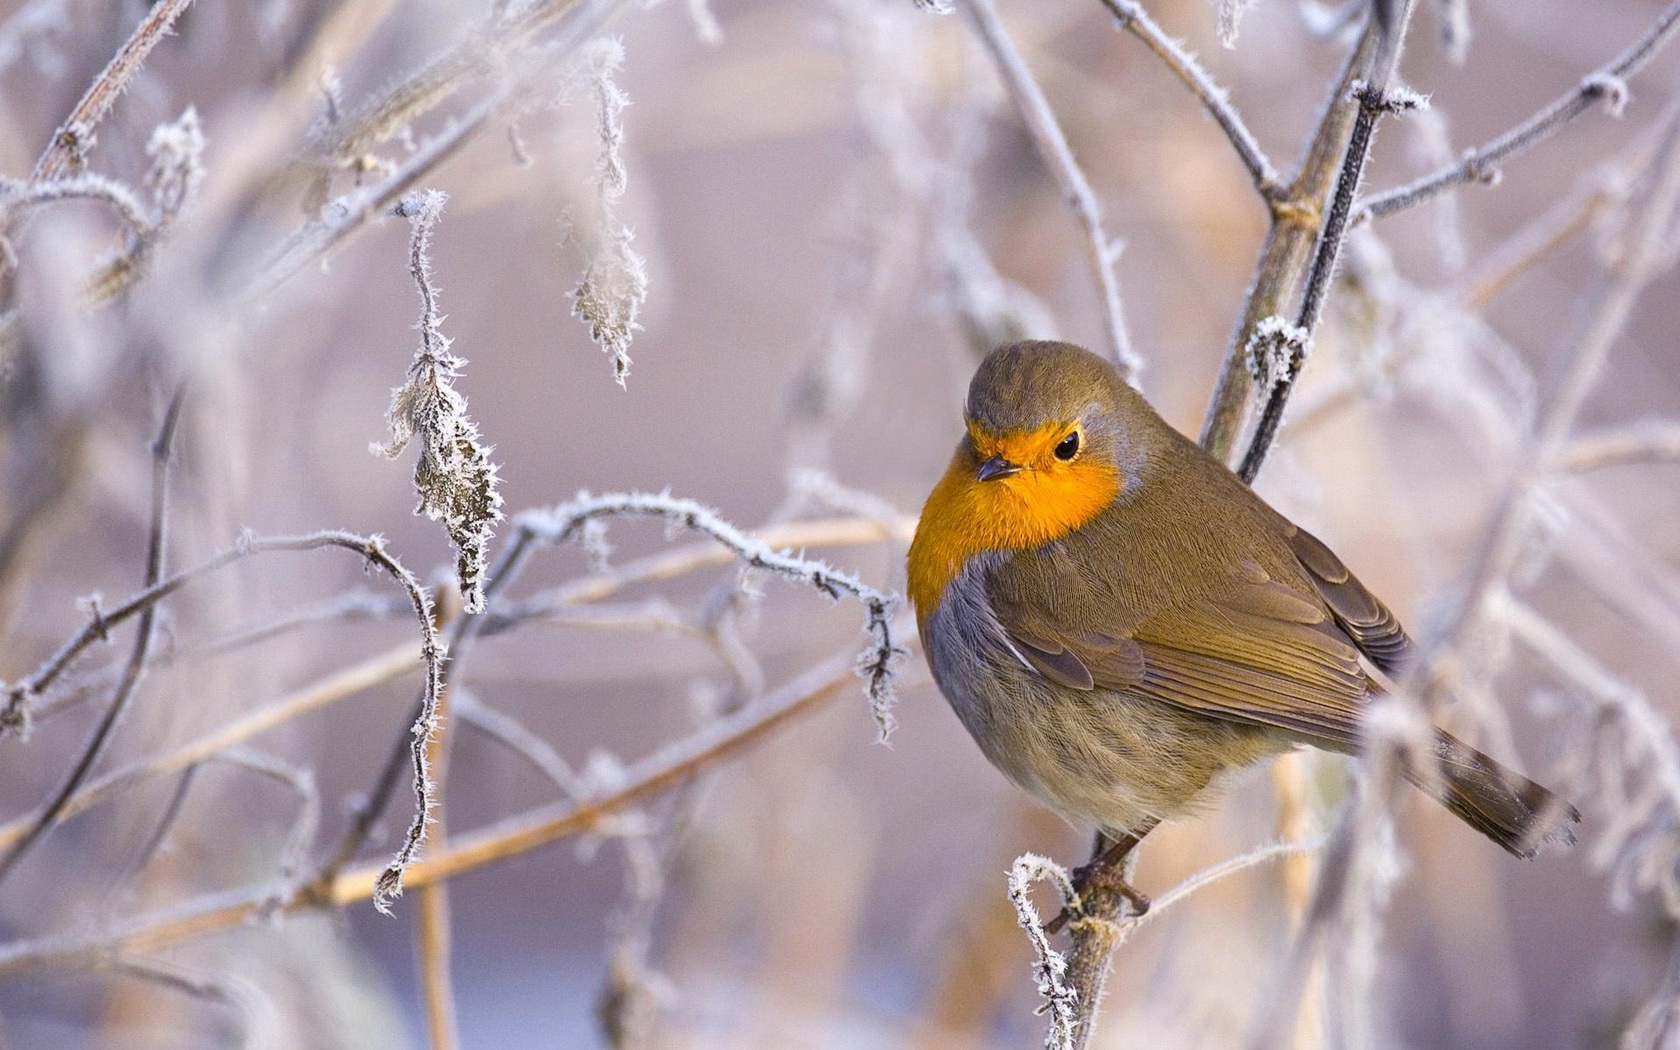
965 516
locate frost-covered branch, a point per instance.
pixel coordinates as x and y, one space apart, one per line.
1131 16
1061 1002
74 137
1607 85
567 521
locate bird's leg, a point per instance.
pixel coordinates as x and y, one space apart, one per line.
1108 869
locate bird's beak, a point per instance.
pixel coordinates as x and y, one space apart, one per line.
997 467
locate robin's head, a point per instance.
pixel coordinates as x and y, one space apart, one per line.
1054 419
1054 438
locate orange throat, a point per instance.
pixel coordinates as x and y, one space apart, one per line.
965 516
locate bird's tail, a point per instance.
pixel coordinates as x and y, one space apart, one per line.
1502 804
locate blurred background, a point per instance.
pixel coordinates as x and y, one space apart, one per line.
839 210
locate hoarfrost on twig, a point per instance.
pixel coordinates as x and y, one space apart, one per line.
1050 969
614 284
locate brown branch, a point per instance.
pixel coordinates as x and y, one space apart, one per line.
509 837
1289 240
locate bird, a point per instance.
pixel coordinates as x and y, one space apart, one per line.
1120 621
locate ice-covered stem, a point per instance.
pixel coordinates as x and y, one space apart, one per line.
454 476
614 284
1061 1002
1131 16
566 522
1608 84
1052 144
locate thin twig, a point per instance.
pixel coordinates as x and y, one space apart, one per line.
567 521
1608 84
162 451
1643 442
511 836
372 549
257 1024
1131 16
1053 148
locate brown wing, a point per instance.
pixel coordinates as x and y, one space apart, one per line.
1365 619
1255 652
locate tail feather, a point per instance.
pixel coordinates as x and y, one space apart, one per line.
1502 804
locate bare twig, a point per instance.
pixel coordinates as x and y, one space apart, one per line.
565 522
1131 16
512 836
1608 84
162 449
1642 442
1289 242
1040 122
258 1027
1374 100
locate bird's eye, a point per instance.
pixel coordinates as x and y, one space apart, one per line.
1069 447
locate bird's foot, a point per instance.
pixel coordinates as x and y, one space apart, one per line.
1094 881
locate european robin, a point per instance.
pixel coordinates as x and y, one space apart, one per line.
1118 619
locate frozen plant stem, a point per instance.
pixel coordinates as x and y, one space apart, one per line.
614 285
74 137
1053 149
